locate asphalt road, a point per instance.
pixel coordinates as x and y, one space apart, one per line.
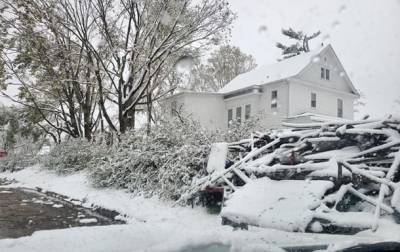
24 211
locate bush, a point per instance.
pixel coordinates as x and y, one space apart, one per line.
14 162
73 155
163 163
22 156
241 130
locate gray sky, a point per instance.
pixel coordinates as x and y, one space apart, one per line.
364 33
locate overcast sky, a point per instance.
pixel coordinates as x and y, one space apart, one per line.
364 33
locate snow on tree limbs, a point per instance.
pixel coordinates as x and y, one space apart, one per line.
361 158
302 44
84 57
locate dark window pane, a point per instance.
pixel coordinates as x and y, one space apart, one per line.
230 116
313 100
339 107
327 74
274 99
274 94
239 114
247 111
322 73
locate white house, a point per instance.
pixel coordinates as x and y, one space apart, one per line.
293 90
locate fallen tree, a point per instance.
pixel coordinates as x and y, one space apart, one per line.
356 166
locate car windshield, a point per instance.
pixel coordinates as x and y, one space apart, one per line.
199 125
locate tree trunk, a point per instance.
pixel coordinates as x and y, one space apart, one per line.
149 111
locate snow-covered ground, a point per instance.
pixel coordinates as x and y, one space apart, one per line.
155 225
284 204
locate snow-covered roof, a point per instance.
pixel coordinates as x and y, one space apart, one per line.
319 118
310 119
279 71
270 73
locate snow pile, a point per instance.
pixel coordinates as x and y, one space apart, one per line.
284 205
217 157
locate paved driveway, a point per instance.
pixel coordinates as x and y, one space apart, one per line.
24 211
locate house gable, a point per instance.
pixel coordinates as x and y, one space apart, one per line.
327 60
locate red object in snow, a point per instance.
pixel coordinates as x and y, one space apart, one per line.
3 153
213 189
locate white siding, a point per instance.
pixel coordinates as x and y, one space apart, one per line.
203 107
337 80
261 104
273 116
300 100
241 101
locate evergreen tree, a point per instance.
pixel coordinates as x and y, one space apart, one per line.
301 45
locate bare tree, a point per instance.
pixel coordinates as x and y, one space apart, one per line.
137 38
222 66
50 68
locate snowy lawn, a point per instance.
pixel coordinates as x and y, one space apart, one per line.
153 225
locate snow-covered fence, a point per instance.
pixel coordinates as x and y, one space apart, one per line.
358 160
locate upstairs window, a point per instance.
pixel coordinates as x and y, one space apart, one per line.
239 114
247 111
339 107
313 100
230 116
325 73
274 99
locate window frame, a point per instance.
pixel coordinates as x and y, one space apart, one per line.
247 111
339 105
274 96
239 114
313 101
230 116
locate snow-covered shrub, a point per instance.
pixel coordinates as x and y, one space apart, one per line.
15 162
72 155
21 156
241 130
162 163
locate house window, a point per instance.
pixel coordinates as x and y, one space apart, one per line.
313 100
274 99
239 114
339 107
230 116
247 111
325 73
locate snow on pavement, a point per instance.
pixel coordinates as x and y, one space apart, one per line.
153 224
